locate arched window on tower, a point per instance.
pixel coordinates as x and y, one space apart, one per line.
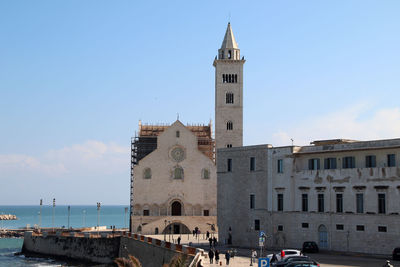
235 78
230 78
229 125
223 78
229 54
229 98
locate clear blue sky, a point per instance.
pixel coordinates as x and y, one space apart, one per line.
77 76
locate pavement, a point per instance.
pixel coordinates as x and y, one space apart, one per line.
325 259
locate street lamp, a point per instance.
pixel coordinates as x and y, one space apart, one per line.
84 218
98 216
165 230
126 211
40 213
54 207
69 213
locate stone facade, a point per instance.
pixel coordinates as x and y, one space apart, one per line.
342 194
174 186
173 176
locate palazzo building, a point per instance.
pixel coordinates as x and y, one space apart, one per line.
342 194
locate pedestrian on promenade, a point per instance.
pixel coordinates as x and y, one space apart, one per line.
179 240
199 264
274 258
207 234
216 256
211 255
210 241
215 241
253 256
227 257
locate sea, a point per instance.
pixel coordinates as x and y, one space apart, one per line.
59 216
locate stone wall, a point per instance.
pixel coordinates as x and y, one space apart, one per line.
83 249
104 248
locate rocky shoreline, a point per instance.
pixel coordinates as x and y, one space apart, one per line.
11 234
8 217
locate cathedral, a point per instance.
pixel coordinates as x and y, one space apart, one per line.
173 167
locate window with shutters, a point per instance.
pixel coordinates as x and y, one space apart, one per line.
348 162
313 164
330 163
382 203
304 202
280 202
391 160
339 202
360 203
321 203
370 161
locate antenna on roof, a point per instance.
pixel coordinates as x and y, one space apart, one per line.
292 140
177 116
229 20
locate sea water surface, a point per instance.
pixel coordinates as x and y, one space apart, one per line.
79 216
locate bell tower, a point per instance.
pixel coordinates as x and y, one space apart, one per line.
228 93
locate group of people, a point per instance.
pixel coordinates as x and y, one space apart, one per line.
213 254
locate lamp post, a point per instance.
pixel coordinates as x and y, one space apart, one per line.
69 213
126 211
98 216
165 230
40 213
54 207
84 218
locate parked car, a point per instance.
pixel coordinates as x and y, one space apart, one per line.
301 264
285 253
396 254
291 259
310 246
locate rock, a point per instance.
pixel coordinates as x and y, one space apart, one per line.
8 217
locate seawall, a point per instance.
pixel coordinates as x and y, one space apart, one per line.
104 248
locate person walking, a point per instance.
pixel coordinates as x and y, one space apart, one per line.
179 240
214 241
274 258
207 234
227 257
216 256
253 256
211 255
210 241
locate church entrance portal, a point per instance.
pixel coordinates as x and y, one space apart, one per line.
176 228
176 209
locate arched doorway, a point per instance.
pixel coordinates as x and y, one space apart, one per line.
176 208
322 236
176 228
